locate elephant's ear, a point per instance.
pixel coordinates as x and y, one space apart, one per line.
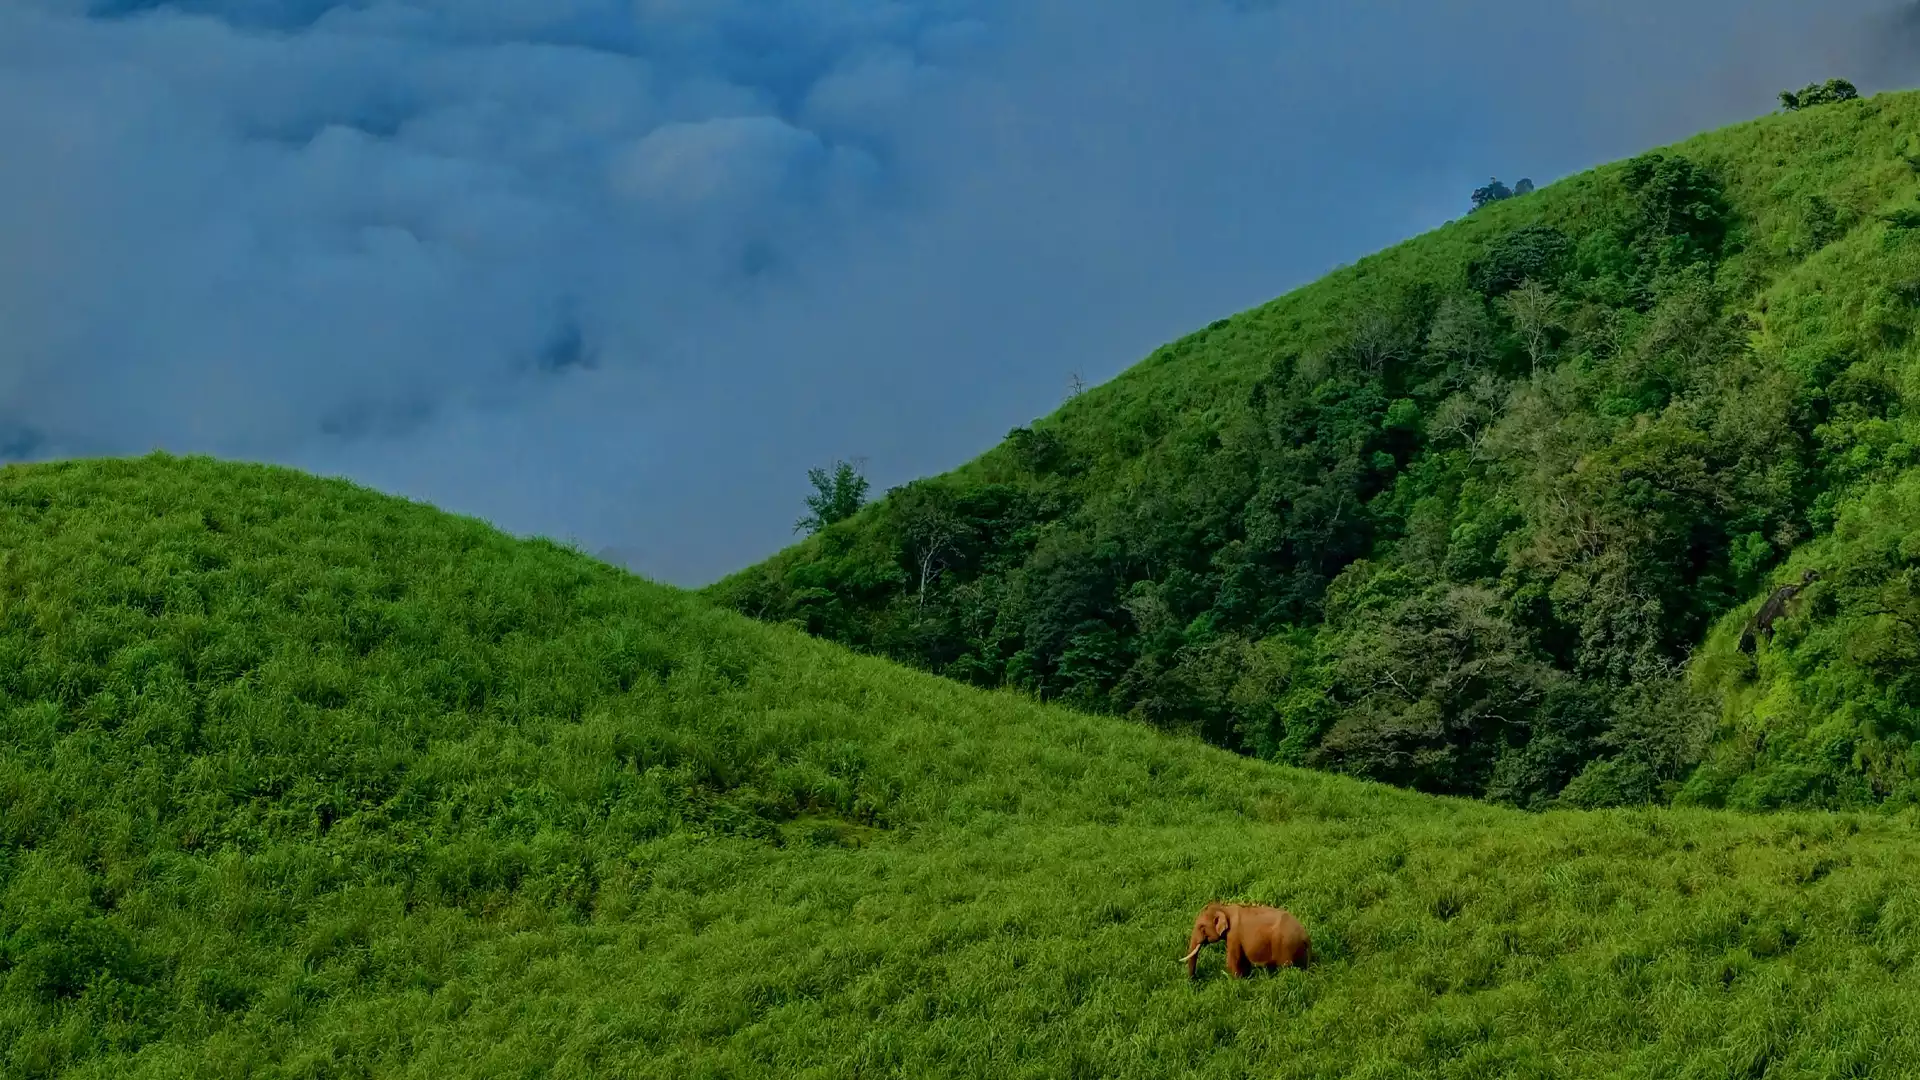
1221 923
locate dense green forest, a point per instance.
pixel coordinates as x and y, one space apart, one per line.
1486 513
302 781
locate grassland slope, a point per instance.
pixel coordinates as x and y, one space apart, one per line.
298 780
1485 513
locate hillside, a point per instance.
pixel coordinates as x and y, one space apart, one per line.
1484 514
297 780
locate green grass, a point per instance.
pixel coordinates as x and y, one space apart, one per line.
297 780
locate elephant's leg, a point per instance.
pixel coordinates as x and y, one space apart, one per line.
1237 965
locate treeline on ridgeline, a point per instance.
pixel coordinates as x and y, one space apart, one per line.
1466 517
1831 92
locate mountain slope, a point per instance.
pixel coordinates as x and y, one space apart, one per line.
299 780
1483 514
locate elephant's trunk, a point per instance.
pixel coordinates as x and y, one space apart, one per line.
1198 941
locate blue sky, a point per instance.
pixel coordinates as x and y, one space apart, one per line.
620 271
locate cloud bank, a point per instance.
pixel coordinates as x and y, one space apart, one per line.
619 271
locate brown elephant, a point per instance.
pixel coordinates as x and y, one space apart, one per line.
1257 936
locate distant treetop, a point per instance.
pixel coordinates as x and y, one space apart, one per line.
839 491
1496 191
1828 93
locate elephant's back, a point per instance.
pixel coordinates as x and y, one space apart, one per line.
1276 936
1296 946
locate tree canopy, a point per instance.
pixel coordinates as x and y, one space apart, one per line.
839 491
1814 94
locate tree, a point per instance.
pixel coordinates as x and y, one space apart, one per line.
1463 337
930 528
838 493
1432 682
1468 414
1039 450
1524 187
1830 92
1493 192
1675 199
1531 251
1536 315
1383 333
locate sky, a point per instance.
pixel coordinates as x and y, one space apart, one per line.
618 272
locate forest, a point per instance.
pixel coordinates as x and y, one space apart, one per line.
1484 514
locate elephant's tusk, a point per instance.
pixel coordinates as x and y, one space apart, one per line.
1189 956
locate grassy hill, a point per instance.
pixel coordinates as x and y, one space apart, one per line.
1486 513
297 780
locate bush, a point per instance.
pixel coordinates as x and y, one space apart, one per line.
1610 782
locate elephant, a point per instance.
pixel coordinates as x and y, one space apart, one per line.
1761 625
1256 935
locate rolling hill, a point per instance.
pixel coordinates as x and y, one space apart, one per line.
298 780
1487 513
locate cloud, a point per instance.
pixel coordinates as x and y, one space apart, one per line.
739 159
621 270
